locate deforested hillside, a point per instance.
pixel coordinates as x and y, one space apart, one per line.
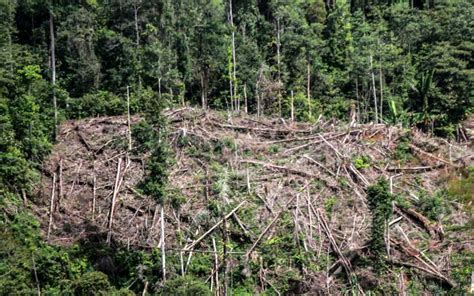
263 206
237 147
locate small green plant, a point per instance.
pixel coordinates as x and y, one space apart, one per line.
361 162
329 204
274 149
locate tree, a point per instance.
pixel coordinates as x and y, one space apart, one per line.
380 204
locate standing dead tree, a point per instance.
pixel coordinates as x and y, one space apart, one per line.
113 201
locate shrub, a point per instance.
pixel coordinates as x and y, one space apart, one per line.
92 283
97 104
435 206
380 205
361 162
185 286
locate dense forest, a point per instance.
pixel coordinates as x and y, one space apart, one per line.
395 63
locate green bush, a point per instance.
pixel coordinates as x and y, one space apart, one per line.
92 283
361 162
434 207
102 103
185 286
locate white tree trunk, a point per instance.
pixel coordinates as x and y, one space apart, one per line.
53 70
163 252
374 89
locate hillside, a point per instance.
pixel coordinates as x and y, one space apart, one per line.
275 205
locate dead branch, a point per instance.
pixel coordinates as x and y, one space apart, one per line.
335 247
256 129
421 151
84 141
319 164
193 244
280 168
269 226
440 277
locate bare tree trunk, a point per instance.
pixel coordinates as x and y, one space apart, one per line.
60 193
163 252
216 266
203 98
279 67
245 97
234 62
231 89
128 120
94 192
357 98
292 106
258 100
381 91
53 70
137 33
226 264
112 204
38 288
374 89
309 90
181 259
10 48
159 87
51 206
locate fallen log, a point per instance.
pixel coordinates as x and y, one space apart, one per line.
446 281
434 230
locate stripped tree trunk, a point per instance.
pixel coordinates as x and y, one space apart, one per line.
60 193
51 207
128 120
216 265
292 106
53 70
112 204
163 252
234 63
374 89
245 97
308 90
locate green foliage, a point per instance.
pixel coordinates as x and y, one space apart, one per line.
185 286
403 151
361 162
329 204
97 104
143 136
461 187
153 134
92 283
380 204
434 207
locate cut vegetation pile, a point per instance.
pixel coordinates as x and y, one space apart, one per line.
279 204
